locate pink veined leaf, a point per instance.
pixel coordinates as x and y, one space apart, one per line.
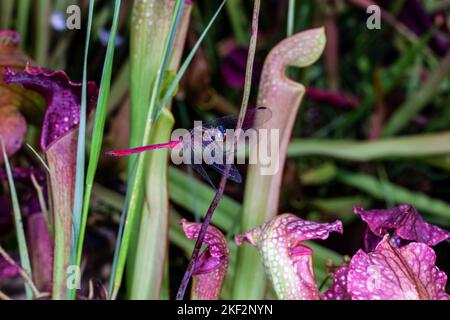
338 289
287 262
403 222
211 267
390 273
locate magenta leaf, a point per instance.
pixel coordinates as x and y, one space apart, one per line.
403 222
338 290
63 99
211 266
391 273
287 262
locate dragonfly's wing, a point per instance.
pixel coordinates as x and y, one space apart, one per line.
233 174
200 170
263 114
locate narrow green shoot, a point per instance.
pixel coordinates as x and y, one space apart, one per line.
99 125
23 249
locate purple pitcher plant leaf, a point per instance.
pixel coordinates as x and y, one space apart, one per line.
59 139
287 262
391 273
403 222
63 99
211 267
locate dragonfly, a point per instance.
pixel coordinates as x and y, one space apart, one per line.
211 132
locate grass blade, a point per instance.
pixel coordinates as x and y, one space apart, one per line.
79 184
23 249
97 134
